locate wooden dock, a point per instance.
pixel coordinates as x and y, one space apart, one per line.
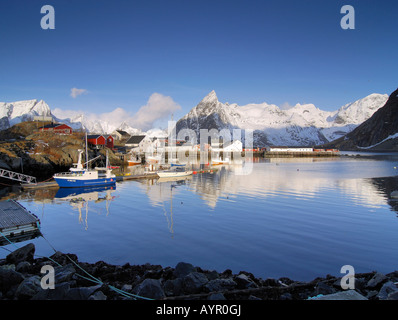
40 185
17 223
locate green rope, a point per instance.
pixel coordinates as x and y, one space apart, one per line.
91 277
98 281
8 240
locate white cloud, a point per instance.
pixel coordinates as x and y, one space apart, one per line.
65 114
74 92
158 107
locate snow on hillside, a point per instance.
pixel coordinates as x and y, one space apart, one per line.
300 125
15 112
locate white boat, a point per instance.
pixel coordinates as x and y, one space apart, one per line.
174 172
220 161
174 179
133 162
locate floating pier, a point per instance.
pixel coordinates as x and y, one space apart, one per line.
17 223
40 185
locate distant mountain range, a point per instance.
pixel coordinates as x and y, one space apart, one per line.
15 112
301 125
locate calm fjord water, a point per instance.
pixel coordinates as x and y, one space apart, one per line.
300 218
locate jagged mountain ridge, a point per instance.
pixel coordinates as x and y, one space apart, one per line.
379 132
15 112
299 125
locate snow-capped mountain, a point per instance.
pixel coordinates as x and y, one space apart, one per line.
15 112
96 126
379 132
300 125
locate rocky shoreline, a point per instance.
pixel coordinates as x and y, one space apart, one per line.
22 278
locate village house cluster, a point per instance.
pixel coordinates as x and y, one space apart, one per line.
142 143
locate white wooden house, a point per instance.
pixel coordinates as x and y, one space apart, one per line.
288 149
120 135
231 146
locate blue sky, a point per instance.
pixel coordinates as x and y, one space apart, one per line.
122 52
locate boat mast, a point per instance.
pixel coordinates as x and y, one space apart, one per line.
86 153
107 160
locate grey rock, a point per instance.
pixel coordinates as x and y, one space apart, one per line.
251 297
286 296
127 287
193 282
371 294
23 266
64 273
360 284
25 253
150 288
182 269
387 289
393 296
342 295
28 288
9 278
220 284
58 293
216 296
376 280
212 275
81 293
98 295
173 287
323 288
244 282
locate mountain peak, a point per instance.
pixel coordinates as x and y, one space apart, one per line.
211 97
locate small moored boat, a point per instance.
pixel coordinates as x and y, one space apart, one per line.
174 172
220 161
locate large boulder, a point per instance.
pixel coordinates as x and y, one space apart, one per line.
9 278
28 288
194 282
182 269
25 253
150 288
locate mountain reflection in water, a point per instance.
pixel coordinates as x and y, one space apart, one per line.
295 217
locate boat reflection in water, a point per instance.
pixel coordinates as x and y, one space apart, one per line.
165 186
79 198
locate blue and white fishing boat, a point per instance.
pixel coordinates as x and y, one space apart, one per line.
80 176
